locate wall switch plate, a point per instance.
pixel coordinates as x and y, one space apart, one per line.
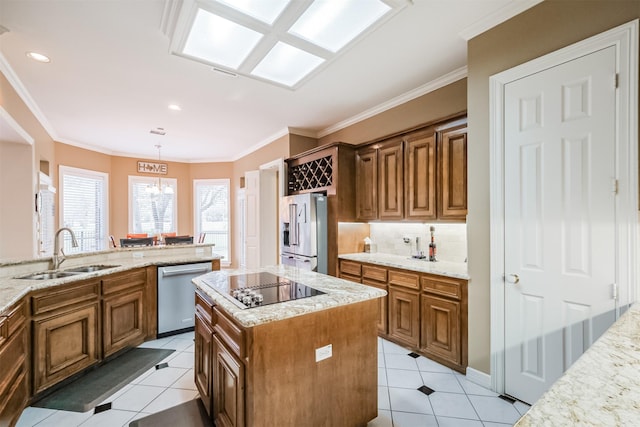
324 352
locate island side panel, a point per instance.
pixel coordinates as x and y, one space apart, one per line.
286 386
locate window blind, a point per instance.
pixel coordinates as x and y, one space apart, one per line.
149 212
84 208
211 197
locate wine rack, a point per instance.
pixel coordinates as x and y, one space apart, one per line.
311 175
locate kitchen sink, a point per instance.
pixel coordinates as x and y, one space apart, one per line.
48 275
88 268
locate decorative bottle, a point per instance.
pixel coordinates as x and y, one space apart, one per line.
432 245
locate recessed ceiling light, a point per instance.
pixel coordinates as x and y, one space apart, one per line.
175 107
38 57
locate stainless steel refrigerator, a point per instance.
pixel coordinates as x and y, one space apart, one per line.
303 224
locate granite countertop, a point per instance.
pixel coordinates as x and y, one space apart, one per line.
456 270
12 289
338 292
602 388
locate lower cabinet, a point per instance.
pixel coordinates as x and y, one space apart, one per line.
425 312
65 332
404 315
228 386
13 371
441 328
123 311
203 364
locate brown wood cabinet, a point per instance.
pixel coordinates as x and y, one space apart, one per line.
421 175
425 312
13 363
123 307
203 364
65 331
453 171
228 386
366 184
391 181
420 161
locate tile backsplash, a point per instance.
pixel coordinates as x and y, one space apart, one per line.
451 239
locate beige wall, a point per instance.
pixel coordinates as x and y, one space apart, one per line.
19 168
432 106
546 27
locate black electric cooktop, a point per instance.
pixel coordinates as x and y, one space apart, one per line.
258 289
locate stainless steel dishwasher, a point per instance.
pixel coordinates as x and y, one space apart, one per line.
176 297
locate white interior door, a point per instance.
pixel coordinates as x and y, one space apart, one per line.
560 219
252 218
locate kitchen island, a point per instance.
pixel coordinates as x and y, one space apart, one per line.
309 361
602 388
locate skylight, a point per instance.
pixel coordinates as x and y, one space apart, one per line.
279 41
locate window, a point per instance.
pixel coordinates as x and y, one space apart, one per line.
85 207
211 210
152 210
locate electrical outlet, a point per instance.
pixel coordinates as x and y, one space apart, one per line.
406 240
323 353
199 251
138 254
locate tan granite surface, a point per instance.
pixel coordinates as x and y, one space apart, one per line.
12 289
338 292
442 268
602 388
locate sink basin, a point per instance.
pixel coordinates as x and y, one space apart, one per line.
89 268
48 276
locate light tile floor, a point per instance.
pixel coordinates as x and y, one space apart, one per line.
455 402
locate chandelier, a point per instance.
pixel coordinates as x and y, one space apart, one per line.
158 188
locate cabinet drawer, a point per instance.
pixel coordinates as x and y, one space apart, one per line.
442 286
204 307
15 318
404 278
128 280
65 296
350 267
229 332
374 273
350 277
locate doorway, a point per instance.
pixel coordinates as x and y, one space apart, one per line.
564 200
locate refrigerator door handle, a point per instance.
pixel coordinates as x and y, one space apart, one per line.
293 226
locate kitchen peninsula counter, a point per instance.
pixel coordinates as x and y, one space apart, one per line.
602 388
457 270
13 289
310 361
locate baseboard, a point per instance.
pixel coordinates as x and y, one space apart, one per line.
479 377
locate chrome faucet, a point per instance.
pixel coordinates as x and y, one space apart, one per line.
59 259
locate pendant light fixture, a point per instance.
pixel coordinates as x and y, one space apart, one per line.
156 189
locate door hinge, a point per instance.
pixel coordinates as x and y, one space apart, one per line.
614 186
614 291
616 80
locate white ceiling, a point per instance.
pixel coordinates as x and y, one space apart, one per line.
111 76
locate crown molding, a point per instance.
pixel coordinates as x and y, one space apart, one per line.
24 94
445 80
505 13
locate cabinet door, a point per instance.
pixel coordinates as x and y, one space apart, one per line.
203 364
228 389
420 161
453 173
366 185
441 328
391 181
404 316
64 344
382 305
123 321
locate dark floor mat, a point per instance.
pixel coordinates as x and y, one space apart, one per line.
188 414
86 392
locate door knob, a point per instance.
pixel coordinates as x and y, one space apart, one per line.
513 278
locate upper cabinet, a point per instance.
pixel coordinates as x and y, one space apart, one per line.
452 159
421 175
